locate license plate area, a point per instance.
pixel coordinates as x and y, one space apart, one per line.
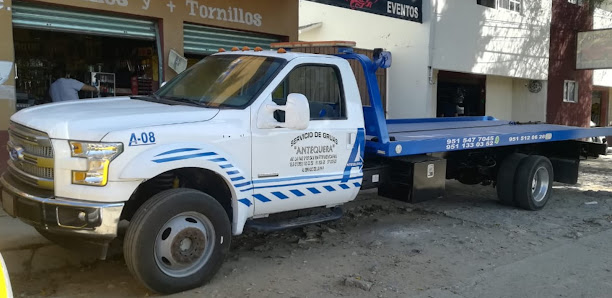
8 203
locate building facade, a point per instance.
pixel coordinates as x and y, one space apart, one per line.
513 60
126 47
467 57
601 112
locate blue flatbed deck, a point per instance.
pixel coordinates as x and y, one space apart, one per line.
421 136
402 137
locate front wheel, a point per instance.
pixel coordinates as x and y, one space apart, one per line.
177 240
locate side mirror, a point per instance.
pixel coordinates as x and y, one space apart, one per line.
297 113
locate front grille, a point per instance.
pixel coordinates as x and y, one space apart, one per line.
34 149
42 151
36 170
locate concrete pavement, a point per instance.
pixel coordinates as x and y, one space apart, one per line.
582 268
25 251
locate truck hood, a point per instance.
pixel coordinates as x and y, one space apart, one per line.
91 120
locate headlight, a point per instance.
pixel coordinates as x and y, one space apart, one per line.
99 156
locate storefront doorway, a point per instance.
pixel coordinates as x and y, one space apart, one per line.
600 106
460 94
118 55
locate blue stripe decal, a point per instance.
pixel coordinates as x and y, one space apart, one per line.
313 190
297 192
344 186
293 178
301 183
238 178
226 166
177 151
242 184
218 159
245 201
329 188
261 198
184 157
357 184
233 172
280 195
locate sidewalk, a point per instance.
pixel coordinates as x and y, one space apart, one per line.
25 251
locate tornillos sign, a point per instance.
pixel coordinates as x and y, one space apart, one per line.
195 8
410 10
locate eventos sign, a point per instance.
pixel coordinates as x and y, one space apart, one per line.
410 10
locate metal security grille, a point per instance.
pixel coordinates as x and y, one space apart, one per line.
30 16
203 40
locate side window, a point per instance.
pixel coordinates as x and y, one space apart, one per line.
322 87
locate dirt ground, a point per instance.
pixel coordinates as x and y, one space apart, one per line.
386 248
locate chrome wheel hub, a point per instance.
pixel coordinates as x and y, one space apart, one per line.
540 183
184 244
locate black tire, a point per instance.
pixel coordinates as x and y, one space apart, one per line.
141 241
505 178
532 195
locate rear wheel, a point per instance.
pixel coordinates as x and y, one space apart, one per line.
505 178
533 182
177 240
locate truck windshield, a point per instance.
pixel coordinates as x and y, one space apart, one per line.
229 81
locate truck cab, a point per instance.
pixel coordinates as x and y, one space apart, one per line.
241 135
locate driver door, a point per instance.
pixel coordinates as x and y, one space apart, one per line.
296 169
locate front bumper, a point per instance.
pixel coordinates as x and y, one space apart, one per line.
42 210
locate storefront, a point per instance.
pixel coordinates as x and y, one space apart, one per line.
460 94
122 46
119 55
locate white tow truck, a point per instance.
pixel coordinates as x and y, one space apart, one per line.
247 134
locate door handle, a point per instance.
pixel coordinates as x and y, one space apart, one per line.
267 175
351 139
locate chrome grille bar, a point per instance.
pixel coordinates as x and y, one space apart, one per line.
31 156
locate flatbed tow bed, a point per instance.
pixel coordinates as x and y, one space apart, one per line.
422 136
404 157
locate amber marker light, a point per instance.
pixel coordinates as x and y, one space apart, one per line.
245 48
221 50
234 49
281 51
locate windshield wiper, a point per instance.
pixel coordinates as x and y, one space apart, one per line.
179 99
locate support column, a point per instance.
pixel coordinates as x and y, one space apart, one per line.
7 85
172 39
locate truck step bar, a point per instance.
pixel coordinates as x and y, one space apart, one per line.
266 226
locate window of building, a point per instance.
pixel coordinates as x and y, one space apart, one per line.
322 87
570 91
514 5
488 3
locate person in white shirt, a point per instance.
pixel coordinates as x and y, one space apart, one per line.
65 89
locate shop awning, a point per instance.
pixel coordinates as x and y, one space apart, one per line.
203 40
29 16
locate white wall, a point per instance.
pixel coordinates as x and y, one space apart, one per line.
610 109
510 99
527 106
499 97
409 92
602 19
476 39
